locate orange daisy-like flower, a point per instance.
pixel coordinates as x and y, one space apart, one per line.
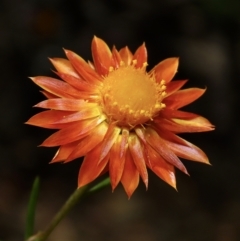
120 117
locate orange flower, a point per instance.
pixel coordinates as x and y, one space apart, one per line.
120 117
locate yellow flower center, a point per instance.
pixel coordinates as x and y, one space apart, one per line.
130 96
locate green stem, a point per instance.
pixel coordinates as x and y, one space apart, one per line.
31 208
70 203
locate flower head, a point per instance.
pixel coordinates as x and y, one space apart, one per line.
122 118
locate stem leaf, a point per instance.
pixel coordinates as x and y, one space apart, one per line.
32 203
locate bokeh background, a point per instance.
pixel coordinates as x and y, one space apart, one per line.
205 35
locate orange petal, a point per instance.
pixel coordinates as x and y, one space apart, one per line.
56 87
47 119
138 157
64 66
109 139
160 167
91 168
141 56
168 135
102 56
75 131
140 133
130 176
198 124
188 151
169 114
166 69
64 151
116 57
159 145
174 86
48 95
65 104
77 83
89 142
181 147
183 97
83 114
91 64
83 68
126 55
117 158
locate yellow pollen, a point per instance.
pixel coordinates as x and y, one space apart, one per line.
158 106
145 64
163 105
130 96
163 87
134 62
163 94
163 82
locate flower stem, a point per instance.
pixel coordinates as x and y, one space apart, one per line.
70 203
72 200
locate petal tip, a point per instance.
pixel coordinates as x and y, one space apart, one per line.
66 51
208 163
129 196
53 161
146 183
32 78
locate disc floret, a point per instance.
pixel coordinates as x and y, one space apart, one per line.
130 96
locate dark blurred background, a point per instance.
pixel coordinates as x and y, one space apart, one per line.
205 35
